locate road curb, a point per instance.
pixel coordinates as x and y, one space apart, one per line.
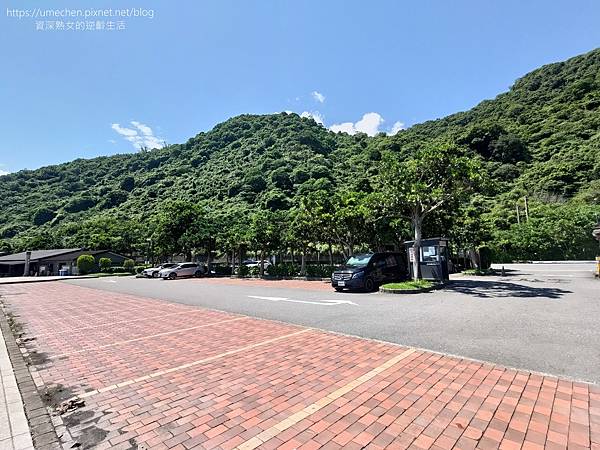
42 280
40 423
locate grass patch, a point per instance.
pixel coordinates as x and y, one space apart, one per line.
479 272
411 285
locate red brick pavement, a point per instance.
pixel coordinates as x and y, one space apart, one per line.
160 375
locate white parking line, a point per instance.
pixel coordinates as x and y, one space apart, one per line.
188 365
310 302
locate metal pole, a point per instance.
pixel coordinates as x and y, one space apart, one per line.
518 216
526 209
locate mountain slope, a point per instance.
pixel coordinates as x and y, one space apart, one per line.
541 139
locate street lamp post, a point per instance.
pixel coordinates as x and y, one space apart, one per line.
149 259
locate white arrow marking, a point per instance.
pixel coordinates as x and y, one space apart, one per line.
110 281
318 302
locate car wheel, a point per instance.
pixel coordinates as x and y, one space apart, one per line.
369 285
172 276
198 274
154 274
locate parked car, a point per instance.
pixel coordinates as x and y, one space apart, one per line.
152 272
366 271
188 269
252 263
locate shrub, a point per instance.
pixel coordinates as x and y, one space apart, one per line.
287 269
319 271
78 204
129 265
42 215
127 184
243 271
85 264
105 264
222 270
139 269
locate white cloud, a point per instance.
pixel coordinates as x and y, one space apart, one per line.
144 129
314 115
398 126
318 96
371 123
3 172
368 124
140 136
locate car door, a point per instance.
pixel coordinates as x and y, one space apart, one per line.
378 268
392 270
187 270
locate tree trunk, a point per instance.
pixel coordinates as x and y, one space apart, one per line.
240 264
475 258
209 257
417 222
303 263
293 257
330 255
262 262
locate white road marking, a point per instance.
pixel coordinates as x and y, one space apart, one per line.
316 302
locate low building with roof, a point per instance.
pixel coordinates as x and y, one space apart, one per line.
51 262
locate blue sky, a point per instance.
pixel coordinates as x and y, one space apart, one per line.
71 94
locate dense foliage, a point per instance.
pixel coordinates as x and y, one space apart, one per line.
280 182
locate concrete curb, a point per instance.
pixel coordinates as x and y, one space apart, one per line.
268 278
27 280
40 423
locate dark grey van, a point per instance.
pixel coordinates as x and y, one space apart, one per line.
367 271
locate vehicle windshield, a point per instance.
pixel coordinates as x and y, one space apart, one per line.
359 260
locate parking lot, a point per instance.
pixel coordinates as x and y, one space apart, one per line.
542 317
146 373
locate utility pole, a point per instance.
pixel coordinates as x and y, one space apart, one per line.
27 262
526 209
518 215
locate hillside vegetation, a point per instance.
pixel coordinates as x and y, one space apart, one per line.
539 140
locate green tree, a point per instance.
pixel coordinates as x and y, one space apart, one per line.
181 228
42 215
264 233
104 264
433 178
86 264
129 265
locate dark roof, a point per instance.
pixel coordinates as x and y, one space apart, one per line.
37 255
428 240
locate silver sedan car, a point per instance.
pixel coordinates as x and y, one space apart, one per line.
188 269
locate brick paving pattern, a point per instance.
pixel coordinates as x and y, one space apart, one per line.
159 375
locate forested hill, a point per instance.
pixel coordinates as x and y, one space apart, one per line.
553 111
540 139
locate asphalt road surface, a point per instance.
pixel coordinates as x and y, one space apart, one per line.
540 317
